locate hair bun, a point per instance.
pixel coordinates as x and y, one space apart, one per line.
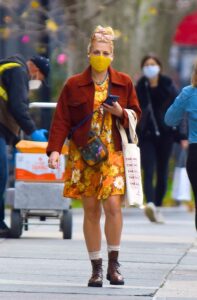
103 33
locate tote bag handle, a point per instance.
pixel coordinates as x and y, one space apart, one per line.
132 128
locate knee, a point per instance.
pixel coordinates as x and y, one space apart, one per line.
92 214
113 211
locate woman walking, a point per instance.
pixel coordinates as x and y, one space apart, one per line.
156 93
103 184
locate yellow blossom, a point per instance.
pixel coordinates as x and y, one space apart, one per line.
106 193
117 33
113 170
153 11
35 4
76 174
119 182
81 187
51 25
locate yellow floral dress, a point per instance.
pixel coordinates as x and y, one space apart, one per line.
105 179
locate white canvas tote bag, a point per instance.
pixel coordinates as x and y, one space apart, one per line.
132 164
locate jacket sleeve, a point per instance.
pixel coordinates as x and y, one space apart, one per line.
16 83
60 126
183 129
176 111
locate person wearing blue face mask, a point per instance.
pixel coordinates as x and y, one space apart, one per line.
16 78
156 93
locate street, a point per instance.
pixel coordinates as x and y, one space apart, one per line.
158 261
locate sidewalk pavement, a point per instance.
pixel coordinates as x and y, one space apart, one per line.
158 261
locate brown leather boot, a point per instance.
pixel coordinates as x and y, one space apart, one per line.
113 271
96 279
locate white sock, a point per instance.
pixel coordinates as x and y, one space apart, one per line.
113 248
95 255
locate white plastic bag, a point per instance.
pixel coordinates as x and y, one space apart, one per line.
181 188
132 164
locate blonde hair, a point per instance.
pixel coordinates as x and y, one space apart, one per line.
102 34
194 75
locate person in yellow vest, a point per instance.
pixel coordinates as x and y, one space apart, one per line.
16 78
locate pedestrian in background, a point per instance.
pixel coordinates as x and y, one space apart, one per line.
17 76
155 93
186 102
102 185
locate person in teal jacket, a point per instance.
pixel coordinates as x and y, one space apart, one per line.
186 102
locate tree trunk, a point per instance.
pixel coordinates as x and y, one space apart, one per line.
143 26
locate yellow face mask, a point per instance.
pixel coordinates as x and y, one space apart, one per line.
100 63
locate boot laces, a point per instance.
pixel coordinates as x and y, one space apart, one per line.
115 265
97 269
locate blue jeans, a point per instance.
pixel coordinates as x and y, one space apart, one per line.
3 176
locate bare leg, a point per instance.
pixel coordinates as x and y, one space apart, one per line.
91 224
113 220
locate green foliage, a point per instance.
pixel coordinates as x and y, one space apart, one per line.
76 203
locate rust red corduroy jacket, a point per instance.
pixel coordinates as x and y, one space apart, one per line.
76 101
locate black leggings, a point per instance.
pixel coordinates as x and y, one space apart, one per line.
192 172
155 155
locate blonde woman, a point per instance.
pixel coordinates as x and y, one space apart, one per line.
101 185
186 102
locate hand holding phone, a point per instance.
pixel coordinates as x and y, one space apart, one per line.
110 99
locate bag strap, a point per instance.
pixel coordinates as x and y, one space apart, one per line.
73 129
150 106
132 128
132 125
122 133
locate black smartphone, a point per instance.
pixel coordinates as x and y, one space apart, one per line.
110 99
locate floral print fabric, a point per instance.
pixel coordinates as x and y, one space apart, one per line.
104 179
